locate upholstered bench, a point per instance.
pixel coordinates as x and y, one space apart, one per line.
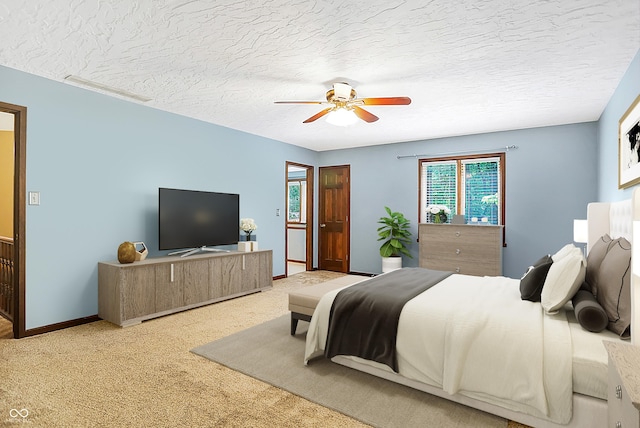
303 302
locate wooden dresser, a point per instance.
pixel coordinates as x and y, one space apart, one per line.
461 248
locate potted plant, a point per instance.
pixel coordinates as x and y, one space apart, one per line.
395 233
248 225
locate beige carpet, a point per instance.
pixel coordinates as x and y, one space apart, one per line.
265 353
6 329
101 375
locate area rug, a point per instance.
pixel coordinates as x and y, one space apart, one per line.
269 353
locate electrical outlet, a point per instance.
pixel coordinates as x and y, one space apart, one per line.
34 198
277 212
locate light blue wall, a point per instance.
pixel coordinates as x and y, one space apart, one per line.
551 177
628 90
98 162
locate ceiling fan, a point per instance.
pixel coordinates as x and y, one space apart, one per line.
342 97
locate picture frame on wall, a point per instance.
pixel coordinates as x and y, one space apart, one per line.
629 146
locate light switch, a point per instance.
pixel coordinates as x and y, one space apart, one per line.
34 198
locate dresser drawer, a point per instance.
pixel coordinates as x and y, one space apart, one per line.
465 268
439 233
463 251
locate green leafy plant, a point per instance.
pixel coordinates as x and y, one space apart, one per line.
395 233
490 199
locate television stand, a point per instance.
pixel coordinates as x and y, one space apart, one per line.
190 251
156 286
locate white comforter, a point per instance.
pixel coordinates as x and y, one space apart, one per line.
474 336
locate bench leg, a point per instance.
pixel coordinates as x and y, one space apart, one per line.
295 316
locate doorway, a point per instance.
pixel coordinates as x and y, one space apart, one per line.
299 218
334 211
12 254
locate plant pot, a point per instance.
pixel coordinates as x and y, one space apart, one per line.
391 263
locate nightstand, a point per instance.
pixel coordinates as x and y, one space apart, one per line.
624 385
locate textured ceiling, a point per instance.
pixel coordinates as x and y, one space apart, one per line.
469 67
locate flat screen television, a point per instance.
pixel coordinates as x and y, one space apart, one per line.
191 219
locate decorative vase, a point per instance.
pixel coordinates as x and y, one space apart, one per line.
439 218
127 252
248 237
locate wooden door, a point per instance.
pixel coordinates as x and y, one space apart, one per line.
333 221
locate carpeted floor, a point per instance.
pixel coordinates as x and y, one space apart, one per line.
101 375
6 329
265 353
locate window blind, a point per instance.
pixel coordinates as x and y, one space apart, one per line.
439 184
481 184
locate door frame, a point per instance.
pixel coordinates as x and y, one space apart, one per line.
19 215
309 225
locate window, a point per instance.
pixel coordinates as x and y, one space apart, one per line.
297 210
472 186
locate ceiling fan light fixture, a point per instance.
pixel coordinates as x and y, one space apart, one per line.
343 91
345 108
342 117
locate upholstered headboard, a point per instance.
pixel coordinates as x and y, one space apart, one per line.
618 219
614 218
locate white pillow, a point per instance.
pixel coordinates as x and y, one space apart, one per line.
564 251
564 279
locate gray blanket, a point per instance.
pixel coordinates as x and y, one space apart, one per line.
363 320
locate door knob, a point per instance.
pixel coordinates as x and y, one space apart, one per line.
322 225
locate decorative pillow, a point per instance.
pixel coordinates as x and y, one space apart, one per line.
564 251
565 277
614 287
589 313
533 279
594 260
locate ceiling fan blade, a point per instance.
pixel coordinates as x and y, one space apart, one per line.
318 115
386 101
364 115
300 102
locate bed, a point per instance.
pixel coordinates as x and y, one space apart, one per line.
527 361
